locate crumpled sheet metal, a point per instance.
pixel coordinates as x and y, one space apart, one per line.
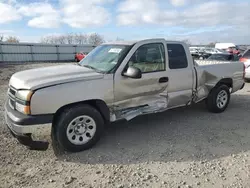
209 73
150 102
150 107
206 81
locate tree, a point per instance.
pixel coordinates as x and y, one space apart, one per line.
95 39
71 38
12 39
47 40
60 39
80 39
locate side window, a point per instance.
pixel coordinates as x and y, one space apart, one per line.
177 56
149 58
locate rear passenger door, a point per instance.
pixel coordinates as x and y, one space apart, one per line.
180 75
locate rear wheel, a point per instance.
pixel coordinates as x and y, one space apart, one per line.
78 128
218 99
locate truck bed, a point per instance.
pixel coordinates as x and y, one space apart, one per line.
209 73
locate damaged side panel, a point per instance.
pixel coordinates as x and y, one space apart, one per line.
145 105
209 73
143 96
136 97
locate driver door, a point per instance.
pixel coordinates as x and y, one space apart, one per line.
148 93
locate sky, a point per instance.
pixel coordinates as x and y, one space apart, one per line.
199 21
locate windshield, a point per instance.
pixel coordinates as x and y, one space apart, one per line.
104 58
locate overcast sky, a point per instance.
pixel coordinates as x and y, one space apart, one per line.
200 21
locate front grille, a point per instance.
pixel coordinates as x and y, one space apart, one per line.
12 91
12 98
12 103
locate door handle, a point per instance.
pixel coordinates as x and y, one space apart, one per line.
163 79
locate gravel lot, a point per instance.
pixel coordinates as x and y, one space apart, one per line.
185 147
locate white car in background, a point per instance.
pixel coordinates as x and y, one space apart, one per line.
214 51
224 46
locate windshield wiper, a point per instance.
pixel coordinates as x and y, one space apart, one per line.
93 68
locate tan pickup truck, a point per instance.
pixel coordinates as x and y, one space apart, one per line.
119 80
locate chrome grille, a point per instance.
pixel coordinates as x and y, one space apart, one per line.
12 103
12 93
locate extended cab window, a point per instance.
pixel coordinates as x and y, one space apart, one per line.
149 58
177 56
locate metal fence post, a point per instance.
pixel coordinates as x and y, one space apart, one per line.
57 52
75 52
1 51
32 52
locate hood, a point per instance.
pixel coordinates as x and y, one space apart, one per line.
43 77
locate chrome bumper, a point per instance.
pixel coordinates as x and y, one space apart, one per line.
19 129
22 126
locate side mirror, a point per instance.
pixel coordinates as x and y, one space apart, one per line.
133 72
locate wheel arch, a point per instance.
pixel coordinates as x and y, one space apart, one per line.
99 104
225 81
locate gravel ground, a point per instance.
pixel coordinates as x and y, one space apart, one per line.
185 147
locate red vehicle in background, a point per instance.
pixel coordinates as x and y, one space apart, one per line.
233 50
79 56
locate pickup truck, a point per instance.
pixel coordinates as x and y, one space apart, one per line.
115 81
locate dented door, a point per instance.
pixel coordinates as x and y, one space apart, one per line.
148 94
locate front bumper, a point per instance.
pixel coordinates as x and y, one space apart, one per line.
21 123
22 126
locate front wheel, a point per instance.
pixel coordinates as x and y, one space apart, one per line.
218 99
78 128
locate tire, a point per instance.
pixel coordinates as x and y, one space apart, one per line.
216 105
77 129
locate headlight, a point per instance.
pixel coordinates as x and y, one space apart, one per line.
23 108
24 95
23 101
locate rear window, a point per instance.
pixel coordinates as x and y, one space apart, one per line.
246 54
177 56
